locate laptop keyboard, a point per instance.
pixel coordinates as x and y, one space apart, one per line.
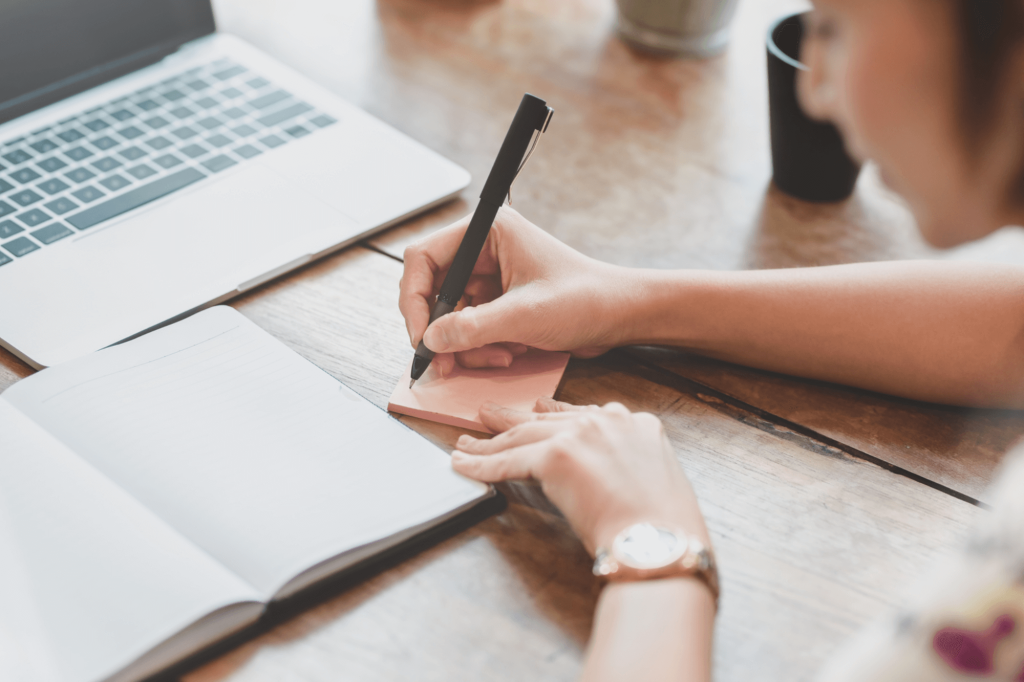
106 161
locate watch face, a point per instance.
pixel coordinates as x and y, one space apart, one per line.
644 546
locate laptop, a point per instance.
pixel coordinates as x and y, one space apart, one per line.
151 166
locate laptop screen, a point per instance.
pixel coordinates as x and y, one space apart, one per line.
51 49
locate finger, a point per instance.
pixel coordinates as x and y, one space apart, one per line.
426 261
494 355
516 349
473 327
548 405
444 363
483 289
517 463
529 432
617 408
500 419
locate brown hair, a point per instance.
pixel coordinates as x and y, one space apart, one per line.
989 31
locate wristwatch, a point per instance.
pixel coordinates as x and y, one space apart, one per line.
644 551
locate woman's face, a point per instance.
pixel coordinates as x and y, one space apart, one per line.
886 73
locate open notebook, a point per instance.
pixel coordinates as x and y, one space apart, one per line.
157 495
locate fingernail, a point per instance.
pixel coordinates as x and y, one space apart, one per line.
464 440
500 361
490 406
436 339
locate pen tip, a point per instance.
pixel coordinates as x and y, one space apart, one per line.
411 383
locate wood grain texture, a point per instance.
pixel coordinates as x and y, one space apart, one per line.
812 543
958 448
11 369
649 161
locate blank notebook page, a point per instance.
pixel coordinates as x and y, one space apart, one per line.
248 450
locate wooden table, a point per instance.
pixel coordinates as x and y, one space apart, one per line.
824 502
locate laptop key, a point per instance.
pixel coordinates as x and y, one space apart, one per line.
173 95
96 125
210 122
87 194
5 259
159 143
133 153
323 120
9 228
106 164
284 114
105 143
25 175
147 105
207 102
5 186
247 151
130 133
52 233
182 112
231 93
18 156
25 197
51 165
219 140
167 161
243 130
53 186
79 175
297 131
70 135
77 153
269 99
135 198
234 112
185 132
33 217
141 172
229 73
257 83
43 146
21 246
6 209
115 182
122 115
219 163
61 206
272 141
194 151
198 84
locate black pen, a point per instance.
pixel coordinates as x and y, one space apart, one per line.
530 122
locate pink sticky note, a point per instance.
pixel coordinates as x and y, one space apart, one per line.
456 398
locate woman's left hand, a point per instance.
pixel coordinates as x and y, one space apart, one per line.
604 467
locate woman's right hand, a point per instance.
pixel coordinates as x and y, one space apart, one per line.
527 289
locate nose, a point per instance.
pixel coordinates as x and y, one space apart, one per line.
816 89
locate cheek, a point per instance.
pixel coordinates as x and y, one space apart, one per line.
898 111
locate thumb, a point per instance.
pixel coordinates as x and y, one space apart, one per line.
471 327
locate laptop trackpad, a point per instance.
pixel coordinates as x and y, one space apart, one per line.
186 250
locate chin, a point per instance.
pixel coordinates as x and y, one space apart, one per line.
951 230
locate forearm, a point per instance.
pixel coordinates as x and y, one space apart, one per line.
942 332
652 630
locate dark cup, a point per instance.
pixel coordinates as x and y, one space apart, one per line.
809 160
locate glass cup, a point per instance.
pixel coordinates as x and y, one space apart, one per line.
698 28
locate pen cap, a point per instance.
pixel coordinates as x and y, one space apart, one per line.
532 116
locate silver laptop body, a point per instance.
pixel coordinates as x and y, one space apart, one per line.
183 184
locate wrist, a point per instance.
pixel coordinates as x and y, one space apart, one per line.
677 307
